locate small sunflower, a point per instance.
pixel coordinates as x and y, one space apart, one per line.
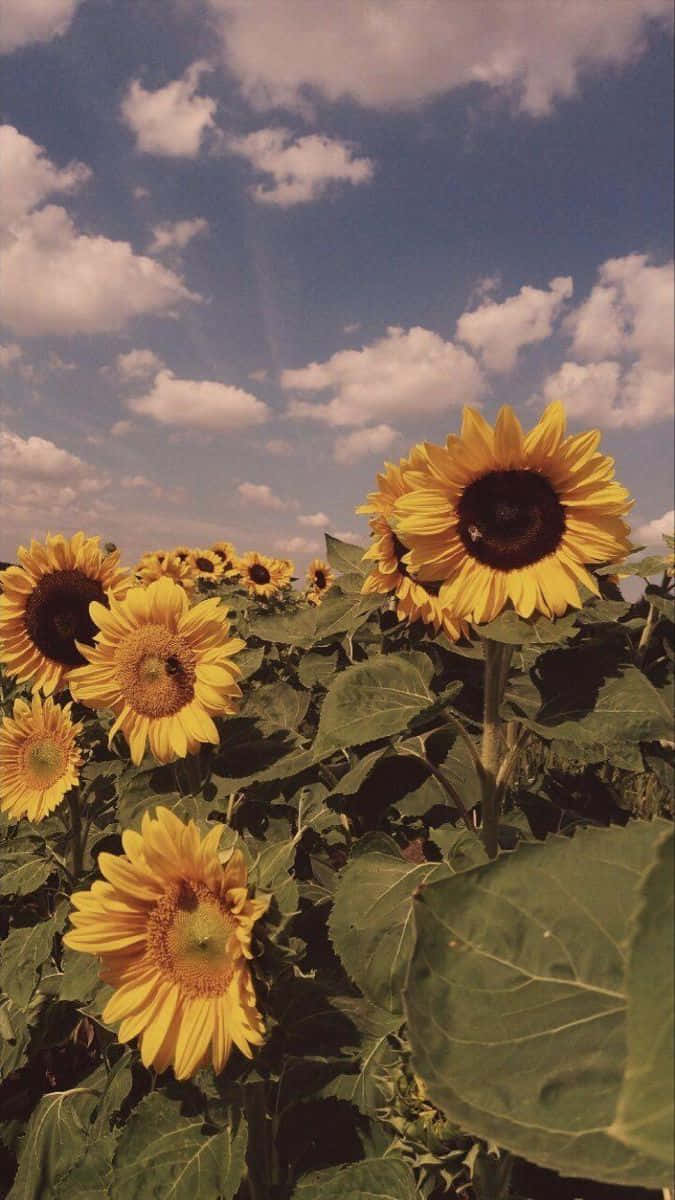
260 575
319 575
182 553
39 758
283 571
504 517
152 567
227 554
163 668
205 564
172 926
44 607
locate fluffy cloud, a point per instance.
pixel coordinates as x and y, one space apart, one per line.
299 169
362 442
173 119
623 332
498 331
261 495
29 176
137 364
651 533
199 404
175 495
10 354
27 21
121 428
279 446
389 54
56 281
297 545
318 520
404 374
39 478
176 234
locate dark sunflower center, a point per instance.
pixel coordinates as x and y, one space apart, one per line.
320 579
223 557
57 614
204 564
510 519
182 555
259 574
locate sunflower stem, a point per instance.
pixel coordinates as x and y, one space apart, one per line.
77 840
497 659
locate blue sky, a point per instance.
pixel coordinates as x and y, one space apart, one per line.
247 254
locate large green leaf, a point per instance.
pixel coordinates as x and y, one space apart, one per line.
90 1179
317 668
371 921
514 630
371 1179
645 1118
277 706
344 556
22 954
374 699
162 1155
516 999
23 870
55 1140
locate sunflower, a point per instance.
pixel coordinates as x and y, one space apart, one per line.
414 601
503 517
182 553
39 758
44 607
319 575
154 566
260 575
283 571
163 668
205 564
172 926
226 552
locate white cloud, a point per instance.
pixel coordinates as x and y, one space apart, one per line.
261 495
23 22
624 333
176 234
29 176
259 375
351 327
174 495
404 374
651 533
121 428
56 281
173 119
297 545
300 169
347 535
10 354
362 442
199 404
498 331
38 477
137 364
319 520
278 446
393 53
141 193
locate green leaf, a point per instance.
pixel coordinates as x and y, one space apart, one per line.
519 966
277 706
22 954
371 1179
343 614
14 1037
652 564
272 875
54 1141
287 629
510 628
23 871
249 661
90 1179
645 1118
362 1088
317 668
374 699
162 1155
370 924
81 978
345 556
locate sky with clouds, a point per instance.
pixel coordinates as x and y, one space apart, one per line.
250 249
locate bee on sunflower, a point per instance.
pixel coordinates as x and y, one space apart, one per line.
172 925
163 668
44 607
261 576
39 758
502 517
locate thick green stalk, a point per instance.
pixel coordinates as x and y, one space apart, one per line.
497 658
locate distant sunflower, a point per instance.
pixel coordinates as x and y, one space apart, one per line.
319 575
44 607
206 565
39 758
172 927
283 571
259 574
390 575
225 551
152 567
182 553
163 668
503 517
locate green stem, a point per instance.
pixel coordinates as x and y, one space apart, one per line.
77 841
645 637
448 788
497 659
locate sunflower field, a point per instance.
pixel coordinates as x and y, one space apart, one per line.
351 886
